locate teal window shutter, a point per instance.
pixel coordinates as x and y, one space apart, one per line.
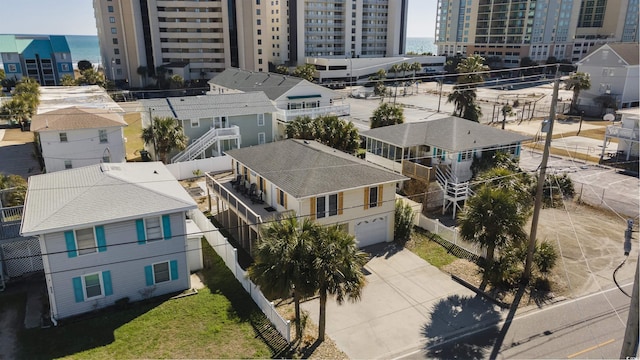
166 226
70 239
443 155
140 229
102 242
77 289
173 264
459 157
148 274
106 280
518 150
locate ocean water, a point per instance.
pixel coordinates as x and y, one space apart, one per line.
421 45
84 47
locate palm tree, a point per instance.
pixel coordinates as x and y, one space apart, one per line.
67 80
492 218
284 261
506 110
338 265
302 127
19 110
339 133
577 82
462 98
469 69
395 69
15 190
387 114
176 82
306 71
143 71
166 135
381 74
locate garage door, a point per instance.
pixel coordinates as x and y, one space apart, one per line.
371 231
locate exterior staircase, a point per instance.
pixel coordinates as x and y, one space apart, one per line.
201 144
453 189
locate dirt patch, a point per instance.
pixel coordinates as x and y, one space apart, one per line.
589 243
306 347
18 136
8 324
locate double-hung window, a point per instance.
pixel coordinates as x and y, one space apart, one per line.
260 119
372 196
85 241
153 229
92 286
327 206
63 137
102 134
161 272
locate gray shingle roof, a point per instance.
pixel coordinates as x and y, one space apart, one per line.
99 194
273 85
629 52
306 168
75 117
195 107
451 134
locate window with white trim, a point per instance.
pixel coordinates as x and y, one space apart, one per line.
327 205
195 123
67 164
64 67
373 196
161 272
102 134
92 285
262 138
86 241
106 159
260 119
63 137
153 228
466 155
12 68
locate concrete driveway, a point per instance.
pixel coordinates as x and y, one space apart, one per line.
401 307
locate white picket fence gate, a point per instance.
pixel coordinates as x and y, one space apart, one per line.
229 255
450 235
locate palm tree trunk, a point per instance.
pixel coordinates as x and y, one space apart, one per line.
296 302
323 314
490 253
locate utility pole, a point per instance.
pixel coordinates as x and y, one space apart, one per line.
630 343
440 96
541 178
153 131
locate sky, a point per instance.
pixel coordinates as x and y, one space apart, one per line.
76 17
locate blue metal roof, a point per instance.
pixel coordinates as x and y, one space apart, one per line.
59 44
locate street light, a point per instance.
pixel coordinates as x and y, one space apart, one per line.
350 71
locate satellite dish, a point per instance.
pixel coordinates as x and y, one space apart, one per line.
609 117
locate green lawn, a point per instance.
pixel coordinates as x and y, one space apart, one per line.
434 253
132 132
218 322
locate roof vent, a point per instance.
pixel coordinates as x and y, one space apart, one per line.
155 171
306 142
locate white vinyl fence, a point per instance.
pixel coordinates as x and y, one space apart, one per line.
230 256
184 170
450 235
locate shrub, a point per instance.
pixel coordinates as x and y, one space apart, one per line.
403 221
545 257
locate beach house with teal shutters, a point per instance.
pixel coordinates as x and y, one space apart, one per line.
108 232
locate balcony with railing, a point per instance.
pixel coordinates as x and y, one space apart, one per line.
289 115
623 133
251 208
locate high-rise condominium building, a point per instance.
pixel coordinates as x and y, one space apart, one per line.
539 29
198 38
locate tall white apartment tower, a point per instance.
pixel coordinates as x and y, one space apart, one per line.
137 34
199 38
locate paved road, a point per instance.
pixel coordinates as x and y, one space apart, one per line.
589 327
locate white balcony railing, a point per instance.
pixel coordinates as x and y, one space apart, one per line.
622 133
289 115
208 139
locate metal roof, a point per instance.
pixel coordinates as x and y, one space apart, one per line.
273 85
101 194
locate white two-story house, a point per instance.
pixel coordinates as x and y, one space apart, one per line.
292 96
77 136
108 232
306 179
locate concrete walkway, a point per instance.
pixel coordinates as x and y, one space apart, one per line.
399 309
